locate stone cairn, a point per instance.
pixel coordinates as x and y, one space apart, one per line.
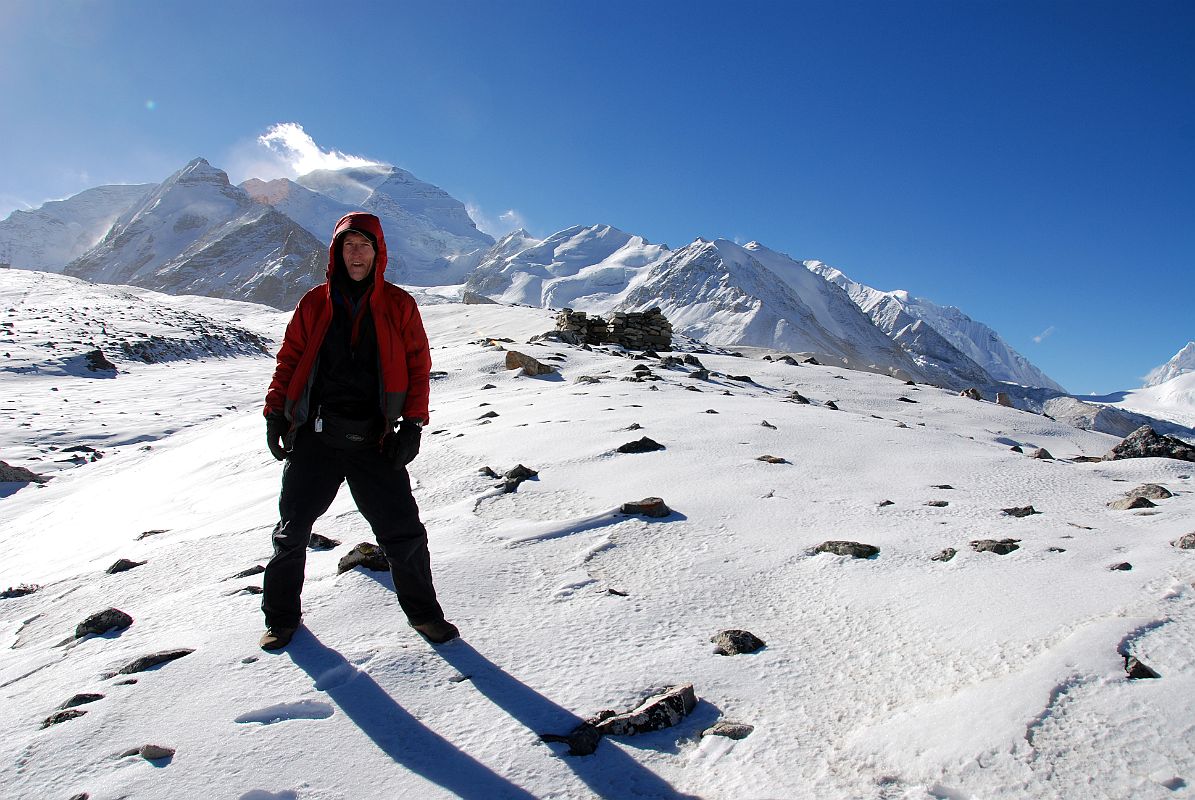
634 330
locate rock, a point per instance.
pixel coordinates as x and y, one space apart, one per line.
80 796
1041 453
488 415
733 642
366 554
936 503
1000 547
97 362
152 660
153 752
83 698
1055 549
1128 503
582 740
475 299
1019 511
644 445
124 565
10 474
587 379
710 411
647 507
700 374
797 397
256 569
530 366
1185 542
731 730
830 404
154 532
941 486
62 716
766 424
489 472
945 555
884 503
905 400
320 542
1016 448
18 591
813 362
1147 443
1151 491
1137 670
772 459
739 378
655 713
973 393
1123 566
515 476
1003 399
852 549
110 619
693 361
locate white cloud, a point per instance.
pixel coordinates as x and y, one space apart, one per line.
1041 337
499 226
298 150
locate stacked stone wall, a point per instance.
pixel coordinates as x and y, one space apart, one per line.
634 330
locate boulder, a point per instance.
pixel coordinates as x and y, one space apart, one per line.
1136 670
110 619
124 565
797 397
772 459
1042 453
972 392
529 365
18 591
10 474
1003 399
1129 503
731 730
945 555
62 716
96 361
152 660
320 542
1151 491
475 299
1019 511
1000 547
366 554
647 507
256 569
937 503
733 642
830 404
1123 566
1147 443
83 698
1185 542
513 477
644 445
852 549
655 713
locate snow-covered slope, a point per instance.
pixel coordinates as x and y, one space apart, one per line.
896 676
428 232
722 293
198 234
1173 400
49 237
1182 363
976 343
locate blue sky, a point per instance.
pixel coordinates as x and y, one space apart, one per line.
1031 163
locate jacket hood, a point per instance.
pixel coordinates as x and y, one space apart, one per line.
368 224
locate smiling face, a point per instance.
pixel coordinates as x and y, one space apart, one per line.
357 252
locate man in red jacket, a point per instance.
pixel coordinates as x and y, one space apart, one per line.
348 402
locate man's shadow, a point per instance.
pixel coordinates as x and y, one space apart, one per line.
609 773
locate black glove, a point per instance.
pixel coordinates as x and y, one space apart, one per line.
277 427
401 446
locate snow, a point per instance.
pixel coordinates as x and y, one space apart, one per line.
1182 363
1173 400
894 677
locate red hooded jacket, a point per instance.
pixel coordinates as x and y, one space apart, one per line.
403 354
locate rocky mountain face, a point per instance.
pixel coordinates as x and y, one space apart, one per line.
976 344
49 237
1182 363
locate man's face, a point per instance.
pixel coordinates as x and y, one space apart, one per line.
357 252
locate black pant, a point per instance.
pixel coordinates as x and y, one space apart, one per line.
310 480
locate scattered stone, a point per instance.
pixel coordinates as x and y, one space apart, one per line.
830 404
320 542
1055 549
647 507
973 393
772 459
155 532
941 486
700 374
366 554
489 386
81 699
1151 491
10 474
1145 442
249 590
1123 566
945 555
734 642
886 503
1042 453
124 565
1016 448
1003 399
1086 459
153 752
474 299
1128 503
80 796
153 660
256 569
731 730
18 591
797 397
1019 511
655 713
587 379
710 411
905 400
489 472
936 503
692 388
1137 670
852 549
582 740
693 361
110 619
792 362
488 415
739 378
766 424
1185 542
1000 547
515 476
812 362
530 366
644 445
62 716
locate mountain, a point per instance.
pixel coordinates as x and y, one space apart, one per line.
198 234
978 344
49 237
1182 363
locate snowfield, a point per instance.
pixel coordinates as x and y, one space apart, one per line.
898 676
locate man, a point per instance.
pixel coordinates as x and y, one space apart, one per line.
348 402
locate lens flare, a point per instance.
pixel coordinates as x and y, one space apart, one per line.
150 105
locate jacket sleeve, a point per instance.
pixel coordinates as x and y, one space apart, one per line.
419 365
293 345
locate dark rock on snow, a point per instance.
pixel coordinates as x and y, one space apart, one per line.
366 554
62 716
150 752
733 642
644 445
515 476
1185 542
110 619
124 565
97 362
1129 503
655 713
81 699
647 507
530 366
1151 491
937 503
731 730
1042 453
852 549
256 569
1145 442
1136 670
1000 547
10 474
18 591
321 542
1123 566
945 555
152 660
1020 511
772 459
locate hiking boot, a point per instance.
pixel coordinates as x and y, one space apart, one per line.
276 638
437 631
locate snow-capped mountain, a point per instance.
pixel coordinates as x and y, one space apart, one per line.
1182 363
49 237
198 234
894 311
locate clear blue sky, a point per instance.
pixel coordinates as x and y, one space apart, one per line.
1030 162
